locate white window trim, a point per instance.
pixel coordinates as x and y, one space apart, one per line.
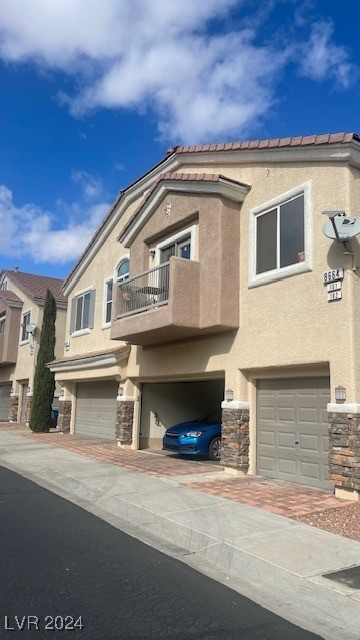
78 294
80 332
83 291
107 325
22 321
259 279
126 256
190 231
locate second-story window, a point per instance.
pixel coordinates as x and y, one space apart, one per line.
181 248
82 311
108 301
25 322
280 236
123 270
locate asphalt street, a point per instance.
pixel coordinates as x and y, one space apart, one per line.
63 566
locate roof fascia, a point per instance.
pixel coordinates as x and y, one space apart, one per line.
222 187
327 153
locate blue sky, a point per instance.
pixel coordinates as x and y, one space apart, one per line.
92 94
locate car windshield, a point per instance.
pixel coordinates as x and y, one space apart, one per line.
212 418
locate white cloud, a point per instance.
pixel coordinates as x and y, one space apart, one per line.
322 59
91 186
30 231
162 55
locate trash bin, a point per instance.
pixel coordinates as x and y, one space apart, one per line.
54 417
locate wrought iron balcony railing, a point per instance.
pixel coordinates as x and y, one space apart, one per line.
145 291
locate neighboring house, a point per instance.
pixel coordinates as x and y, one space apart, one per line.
225 303
22 299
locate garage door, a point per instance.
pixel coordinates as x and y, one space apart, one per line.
5 390
96 409
292 428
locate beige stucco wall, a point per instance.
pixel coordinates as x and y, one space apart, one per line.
102 267
286 328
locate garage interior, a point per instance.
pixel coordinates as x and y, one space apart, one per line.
165 404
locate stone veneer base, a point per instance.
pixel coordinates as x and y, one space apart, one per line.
14 408
344 451
124 422
235 439
64 416
28 410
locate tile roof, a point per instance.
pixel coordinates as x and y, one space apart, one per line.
273 143
9 296
35 286
92 354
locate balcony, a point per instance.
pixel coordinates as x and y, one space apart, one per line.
174 301
148 290
9 336
159 305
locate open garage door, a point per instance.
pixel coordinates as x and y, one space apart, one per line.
167 403
5 390
292 428
96 409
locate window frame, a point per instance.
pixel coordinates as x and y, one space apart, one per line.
177 238
105 324
25 340
78 297
259 279
2 324
120 279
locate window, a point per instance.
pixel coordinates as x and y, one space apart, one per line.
2 325
108 301
25 322
280 237
123 270
181 248
82 312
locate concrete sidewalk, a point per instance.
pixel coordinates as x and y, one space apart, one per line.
277 562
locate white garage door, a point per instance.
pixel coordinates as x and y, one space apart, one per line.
292 428
5 390
96 409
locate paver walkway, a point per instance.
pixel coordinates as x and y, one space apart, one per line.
284 498
107 451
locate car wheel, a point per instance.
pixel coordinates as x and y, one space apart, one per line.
214 449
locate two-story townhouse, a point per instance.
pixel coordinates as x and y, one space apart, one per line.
22 299
224 303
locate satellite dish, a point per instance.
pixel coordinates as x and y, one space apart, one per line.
30 328
341 229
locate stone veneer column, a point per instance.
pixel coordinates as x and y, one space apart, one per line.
14 408
235 438
28 409
124 422
344 452
64 416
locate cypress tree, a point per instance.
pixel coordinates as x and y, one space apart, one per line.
44 379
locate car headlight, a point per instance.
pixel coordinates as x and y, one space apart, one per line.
194 434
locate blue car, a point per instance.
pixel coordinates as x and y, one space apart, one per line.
201 437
